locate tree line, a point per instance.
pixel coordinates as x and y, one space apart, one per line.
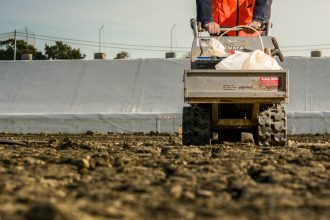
59 51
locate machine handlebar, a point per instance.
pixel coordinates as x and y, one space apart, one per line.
197 27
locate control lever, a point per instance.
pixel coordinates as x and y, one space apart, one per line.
194 26
277 51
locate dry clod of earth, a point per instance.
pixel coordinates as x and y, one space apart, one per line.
152 176
247 138
176 191
45 210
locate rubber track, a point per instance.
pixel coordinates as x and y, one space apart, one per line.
196 125
272 126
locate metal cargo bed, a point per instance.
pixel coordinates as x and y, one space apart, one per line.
236 86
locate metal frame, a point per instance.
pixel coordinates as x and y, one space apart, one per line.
205 85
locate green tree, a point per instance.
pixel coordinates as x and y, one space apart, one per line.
21 48
122 55
61 51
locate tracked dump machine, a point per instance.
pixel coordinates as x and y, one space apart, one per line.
225 103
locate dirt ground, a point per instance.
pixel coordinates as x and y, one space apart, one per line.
137 176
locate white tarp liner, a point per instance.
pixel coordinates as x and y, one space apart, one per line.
88 87
133 95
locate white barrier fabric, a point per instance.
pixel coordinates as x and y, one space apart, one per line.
80 123
133 95
76 87
309 122
309 83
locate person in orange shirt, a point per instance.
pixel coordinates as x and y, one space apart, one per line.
229 13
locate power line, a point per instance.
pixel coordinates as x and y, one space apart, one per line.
108 43
12 33
300 50
307 45
96 45
144 46
7 36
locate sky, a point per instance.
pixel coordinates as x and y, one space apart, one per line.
148 23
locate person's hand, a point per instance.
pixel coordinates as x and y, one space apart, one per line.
213 27
253 24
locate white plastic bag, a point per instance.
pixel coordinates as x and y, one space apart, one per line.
256 60
233 62
215 48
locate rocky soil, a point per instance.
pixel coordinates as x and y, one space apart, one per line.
138 176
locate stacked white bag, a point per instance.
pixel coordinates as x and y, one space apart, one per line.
256 60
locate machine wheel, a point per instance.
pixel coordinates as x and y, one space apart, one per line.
196 125
272 128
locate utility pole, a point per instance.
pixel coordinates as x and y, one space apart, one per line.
15 45
26 36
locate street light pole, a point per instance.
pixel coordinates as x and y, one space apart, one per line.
172 29
171 54
100 38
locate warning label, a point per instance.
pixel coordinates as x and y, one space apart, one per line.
270 81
